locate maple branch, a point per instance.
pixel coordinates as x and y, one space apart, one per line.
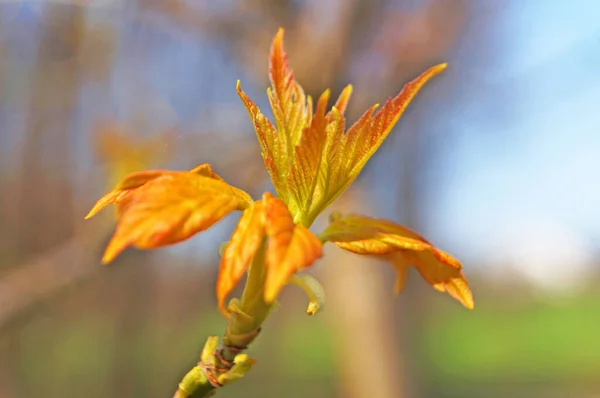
223 363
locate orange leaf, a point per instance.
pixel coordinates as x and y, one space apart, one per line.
171 208
287 98
316 153
437 273
362 235
135 180
206 171
292 112
352 150
403 247
309 157
290 247
272 146
240 251
342 103
304 172
124 188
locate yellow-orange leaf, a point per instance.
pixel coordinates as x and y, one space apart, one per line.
303 176
287 98
240 250
206 171
314 155
124 188
171 208
437 273
272 146
292 111
403 247
290 248
342 102
135 180
351 151
310 158
362 235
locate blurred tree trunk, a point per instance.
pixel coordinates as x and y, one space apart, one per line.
360 305
45 204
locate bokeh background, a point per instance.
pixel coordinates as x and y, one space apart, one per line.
497 161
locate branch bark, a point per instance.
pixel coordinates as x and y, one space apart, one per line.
223 364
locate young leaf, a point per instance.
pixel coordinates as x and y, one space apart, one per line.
135 180
272 146
362 235
292 112
354 148
287 98
436 273
302 180
118 195
240 250
290 248
316 152
403 247
172 208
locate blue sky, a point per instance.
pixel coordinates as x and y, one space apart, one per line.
541 168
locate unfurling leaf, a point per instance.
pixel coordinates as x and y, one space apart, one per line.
292 112
288 102
309 173
303 176
119 194
437 273
310 158
271 144
351 150
363 235
240 250
169 208
135 180
206 171
290 248
403 247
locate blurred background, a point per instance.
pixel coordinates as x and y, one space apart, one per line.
496 161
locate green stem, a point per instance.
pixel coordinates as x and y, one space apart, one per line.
244 326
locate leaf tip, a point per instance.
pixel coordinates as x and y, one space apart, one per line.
434 70
114 248
100 204
467 300
108 257
279 36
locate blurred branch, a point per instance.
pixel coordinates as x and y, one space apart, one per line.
250 25
50 272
